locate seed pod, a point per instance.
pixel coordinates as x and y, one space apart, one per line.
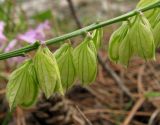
115 42
47 71
156 34
91 44
142 37
66 67
61 50
85 62
125 50
155 18
97 37
22 88
151 14
58 87
144 3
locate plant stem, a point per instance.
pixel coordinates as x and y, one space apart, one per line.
23 50
7 118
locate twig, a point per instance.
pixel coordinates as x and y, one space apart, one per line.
118 112
84 117
2 91
116 77
140 85
133 111
154 115
21 51
74 14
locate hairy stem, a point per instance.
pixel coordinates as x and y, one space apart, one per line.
23 50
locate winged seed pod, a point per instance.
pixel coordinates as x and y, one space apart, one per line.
58 87
125 50
47 71
151 14
143 3
97 37
85 61
22 88
115 42
142 38
156 33
61 50
66 66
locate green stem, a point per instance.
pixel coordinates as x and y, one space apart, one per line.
7 118
23 50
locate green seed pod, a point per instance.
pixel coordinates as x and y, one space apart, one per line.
125 50
22 88
151 14
61 50
142 38
47 71
156 33
66 67
97 37
115 42
85 62
155 18
58 87
91 44
144 3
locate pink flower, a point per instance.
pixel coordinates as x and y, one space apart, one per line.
35 34
2 36
11 45
1 26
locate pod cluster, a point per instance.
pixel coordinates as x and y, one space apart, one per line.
153 17
57 72
139 36
54 72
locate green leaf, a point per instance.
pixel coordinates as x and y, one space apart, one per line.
151 95
22 88
44 15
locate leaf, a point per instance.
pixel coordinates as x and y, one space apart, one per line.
43 15
22 88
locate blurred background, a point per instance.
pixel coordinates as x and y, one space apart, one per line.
119 96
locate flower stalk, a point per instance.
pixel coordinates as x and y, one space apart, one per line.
23 50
